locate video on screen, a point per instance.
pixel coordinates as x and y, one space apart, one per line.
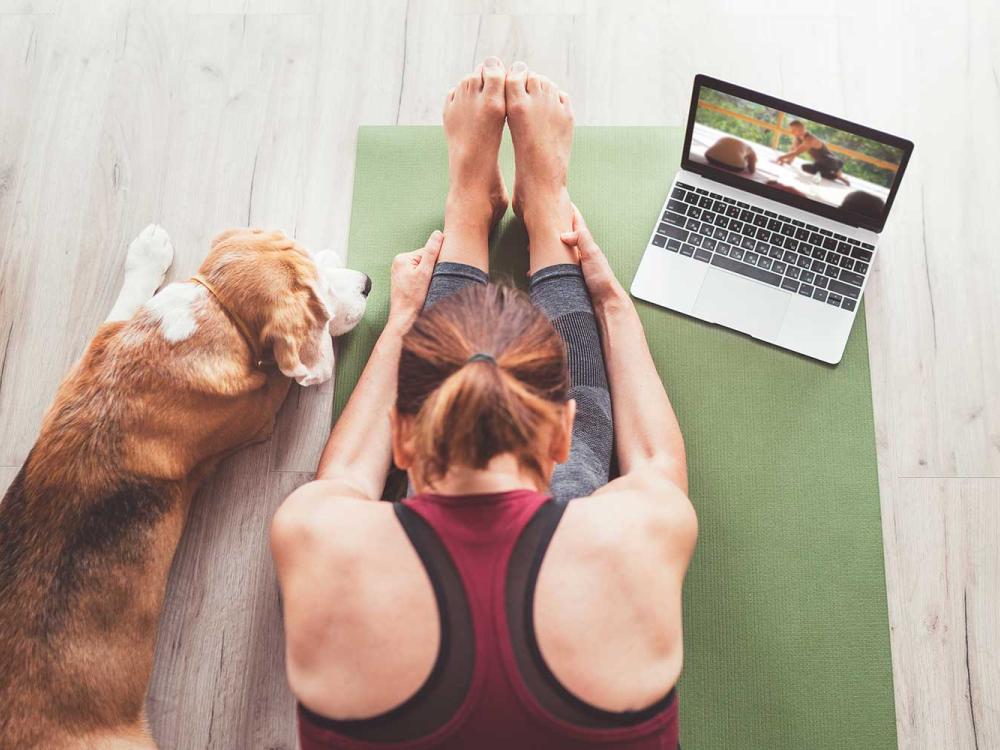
793 154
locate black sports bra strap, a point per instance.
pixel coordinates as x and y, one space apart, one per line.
445 689
522 577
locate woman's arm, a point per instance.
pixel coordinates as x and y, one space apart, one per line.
356 459
648 437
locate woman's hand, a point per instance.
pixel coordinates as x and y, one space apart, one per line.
600 279
410 277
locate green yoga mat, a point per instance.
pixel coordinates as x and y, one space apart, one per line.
785 624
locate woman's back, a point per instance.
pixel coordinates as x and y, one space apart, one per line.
539 643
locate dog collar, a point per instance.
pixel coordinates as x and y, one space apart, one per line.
236 320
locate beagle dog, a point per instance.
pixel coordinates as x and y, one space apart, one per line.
172 383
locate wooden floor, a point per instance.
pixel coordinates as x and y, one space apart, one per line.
205 115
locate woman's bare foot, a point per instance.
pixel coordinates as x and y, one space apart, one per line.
541 126
477 198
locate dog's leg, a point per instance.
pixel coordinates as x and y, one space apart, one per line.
149 257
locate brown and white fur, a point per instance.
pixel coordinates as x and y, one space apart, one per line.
88 528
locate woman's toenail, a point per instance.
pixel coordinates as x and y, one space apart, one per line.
492 62
518 67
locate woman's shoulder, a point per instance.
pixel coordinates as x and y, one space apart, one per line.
660 520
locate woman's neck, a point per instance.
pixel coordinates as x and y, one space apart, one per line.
502 474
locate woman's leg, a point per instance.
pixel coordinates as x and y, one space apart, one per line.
541 126
560 292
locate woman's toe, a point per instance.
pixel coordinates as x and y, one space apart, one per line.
493 75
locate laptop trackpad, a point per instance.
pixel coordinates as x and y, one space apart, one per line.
739 303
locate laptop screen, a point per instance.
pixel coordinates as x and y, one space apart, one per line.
792 154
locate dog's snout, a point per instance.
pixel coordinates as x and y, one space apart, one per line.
368 285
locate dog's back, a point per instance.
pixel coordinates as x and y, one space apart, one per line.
77 534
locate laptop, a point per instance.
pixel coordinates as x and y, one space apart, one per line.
771 226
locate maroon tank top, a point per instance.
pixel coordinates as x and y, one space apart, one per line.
489 687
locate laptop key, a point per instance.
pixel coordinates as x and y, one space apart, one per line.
676 205
849 304
749 230
830 243
702 254
753 272
808 276
844 289
687 250
693 225
843 248
747 243
736 226
774 225
789 256
805 290
791 244
803 261
684 185
723 248
832 271
851 278
763 234
760 220
820 295
774 252
694 212
671 218
846 263
659 240
818 266
676 232
708 243
860 267
719 207
736 252
746 215
834 299
677 193
732 212
720 234
860 254
751 258
789 231
733 238
818 253
822 281
802 234
705 202
761 247
673 245
778 267
691 198
707 216
793 272
695 239
721 221
790 284
764 262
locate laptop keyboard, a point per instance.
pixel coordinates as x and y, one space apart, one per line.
765 246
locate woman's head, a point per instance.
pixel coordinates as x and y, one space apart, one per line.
456 409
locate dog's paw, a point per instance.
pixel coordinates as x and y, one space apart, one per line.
150 253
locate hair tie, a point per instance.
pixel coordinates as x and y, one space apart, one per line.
481 357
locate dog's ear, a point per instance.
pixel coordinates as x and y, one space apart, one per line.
299 337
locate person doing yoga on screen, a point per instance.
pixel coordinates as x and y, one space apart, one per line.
517 598
823 163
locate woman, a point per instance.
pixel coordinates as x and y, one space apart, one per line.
824 162
487 610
